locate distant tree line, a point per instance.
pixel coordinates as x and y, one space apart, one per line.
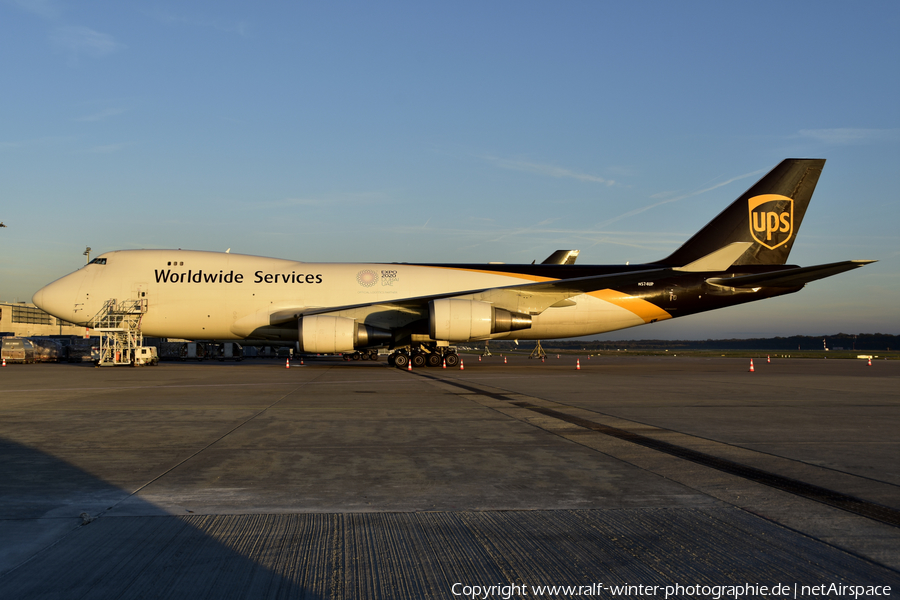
862 341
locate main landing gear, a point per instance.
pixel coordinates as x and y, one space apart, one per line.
424 356
371 354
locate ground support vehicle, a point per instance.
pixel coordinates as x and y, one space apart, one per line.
145 356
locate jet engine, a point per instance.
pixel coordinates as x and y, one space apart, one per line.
462 320
327 334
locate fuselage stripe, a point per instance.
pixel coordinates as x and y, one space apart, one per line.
645 310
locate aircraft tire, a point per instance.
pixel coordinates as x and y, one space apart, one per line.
433 359
418 360
401 360
452 359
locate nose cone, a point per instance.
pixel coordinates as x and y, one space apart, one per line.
38 299
58 298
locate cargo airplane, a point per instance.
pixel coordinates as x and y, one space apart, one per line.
420 310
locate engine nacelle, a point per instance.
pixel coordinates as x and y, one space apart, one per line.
463 320
328 334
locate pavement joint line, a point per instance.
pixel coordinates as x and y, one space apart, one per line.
195 385
864 508
846 502
205 448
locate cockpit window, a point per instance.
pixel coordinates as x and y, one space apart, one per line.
98 261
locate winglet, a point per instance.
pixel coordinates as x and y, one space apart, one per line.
719 260
562 257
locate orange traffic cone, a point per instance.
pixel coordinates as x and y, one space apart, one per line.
870 362
4 362
462 367
504 360
479 359
409 366
445 363
578 364
301 361
768 359
751 365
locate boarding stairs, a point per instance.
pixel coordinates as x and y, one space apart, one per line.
119 326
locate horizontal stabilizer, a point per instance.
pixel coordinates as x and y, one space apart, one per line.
720 260
790 277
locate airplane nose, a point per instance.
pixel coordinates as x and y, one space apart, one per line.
58 298
38 299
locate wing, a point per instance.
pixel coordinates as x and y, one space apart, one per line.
535 298
528 298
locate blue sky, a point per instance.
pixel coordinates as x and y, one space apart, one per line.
464 132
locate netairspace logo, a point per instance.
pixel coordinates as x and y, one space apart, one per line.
714 592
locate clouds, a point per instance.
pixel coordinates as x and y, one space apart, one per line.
84 41
844 136
74 40
638 211
240 28
46 9
100 116
546 170
109 148
326 201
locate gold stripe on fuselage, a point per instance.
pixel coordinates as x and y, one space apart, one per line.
648 311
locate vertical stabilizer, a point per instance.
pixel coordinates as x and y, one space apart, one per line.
767 216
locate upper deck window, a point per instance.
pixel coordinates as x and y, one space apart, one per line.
98 261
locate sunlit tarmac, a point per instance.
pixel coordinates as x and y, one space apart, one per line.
357 480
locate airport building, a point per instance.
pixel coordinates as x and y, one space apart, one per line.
24 319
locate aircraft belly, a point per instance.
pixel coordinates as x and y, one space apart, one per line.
589 316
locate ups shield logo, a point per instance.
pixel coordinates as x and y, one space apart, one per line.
771 219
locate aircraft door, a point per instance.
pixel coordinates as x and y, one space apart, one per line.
141 292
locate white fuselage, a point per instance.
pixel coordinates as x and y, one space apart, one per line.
213 295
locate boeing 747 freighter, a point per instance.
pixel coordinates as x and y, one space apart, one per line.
420 310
